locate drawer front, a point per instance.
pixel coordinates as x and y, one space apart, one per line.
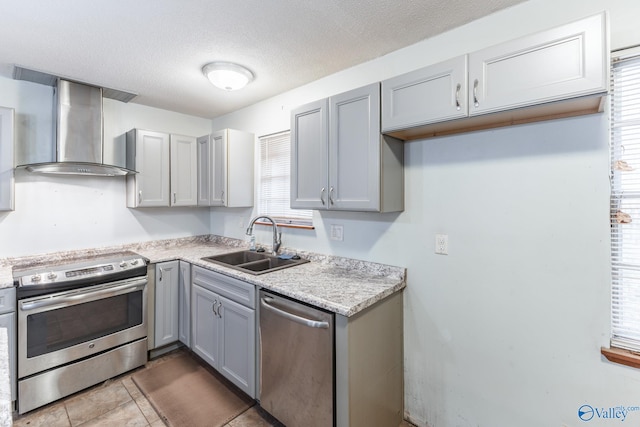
236 290
7 300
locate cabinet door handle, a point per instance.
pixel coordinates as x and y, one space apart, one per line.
140 197
174 198
160 279
322 196
213 306
458 97
222 197
475 93
331 195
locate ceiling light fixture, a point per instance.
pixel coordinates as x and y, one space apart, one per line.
227 75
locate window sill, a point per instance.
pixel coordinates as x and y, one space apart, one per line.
285 225
623 357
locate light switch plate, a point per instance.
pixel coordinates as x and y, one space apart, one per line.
337 232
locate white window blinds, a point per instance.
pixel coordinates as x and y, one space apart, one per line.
625 202
275 171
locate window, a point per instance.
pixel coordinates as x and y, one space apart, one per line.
274 195
625 201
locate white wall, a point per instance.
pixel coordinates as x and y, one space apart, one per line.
506 330
55 213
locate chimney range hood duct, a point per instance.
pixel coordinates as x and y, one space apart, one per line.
79 148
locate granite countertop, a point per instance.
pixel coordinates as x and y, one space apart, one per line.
342 285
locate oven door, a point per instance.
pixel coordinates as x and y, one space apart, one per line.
59 328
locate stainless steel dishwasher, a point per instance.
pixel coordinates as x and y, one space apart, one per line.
296 362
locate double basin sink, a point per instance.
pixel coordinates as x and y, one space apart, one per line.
253 262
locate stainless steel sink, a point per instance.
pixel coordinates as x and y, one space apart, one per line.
253 262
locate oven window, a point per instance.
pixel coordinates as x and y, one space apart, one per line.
61 328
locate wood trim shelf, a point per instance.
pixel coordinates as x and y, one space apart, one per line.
621 356
280 224
527 114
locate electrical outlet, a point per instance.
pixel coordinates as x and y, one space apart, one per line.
442 244
337 232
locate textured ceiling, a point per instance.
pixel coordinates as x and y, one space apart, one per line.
156 48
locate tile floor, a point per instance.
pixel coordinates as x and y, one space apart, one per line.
119 402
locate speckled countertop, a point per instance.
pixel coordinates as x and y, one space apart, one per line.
341 285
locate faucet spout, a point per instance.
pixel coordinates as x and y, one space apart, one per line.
277 235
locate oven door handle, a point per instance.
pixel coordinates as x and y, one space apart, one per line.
106 292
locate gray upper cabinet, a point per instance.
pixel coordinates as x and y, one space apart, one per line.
340 161
225 169
150 186
205 170
556 73
432 94
6 159
564 62
166 166
166 303
310 155
184 170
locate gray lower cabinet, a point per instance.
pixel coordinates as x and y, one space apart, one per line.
204 324
184 303
8 321
223 326
369 365
166 303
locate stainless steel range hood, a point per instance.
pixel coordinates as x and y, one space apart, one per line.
78 139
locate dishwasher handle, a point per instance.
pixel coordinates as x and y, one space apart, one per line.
264 301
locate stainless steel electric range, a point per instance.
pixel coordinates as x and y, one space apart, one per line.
79 323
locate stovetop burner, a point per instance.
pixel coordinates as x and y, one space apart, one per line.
45 278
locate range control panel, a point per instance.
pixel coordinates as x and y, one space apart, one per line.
102 267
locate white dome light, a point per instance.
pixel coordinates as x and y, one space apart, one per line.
227 75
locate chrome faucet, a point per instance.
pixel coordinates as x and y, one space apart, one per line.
276 235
